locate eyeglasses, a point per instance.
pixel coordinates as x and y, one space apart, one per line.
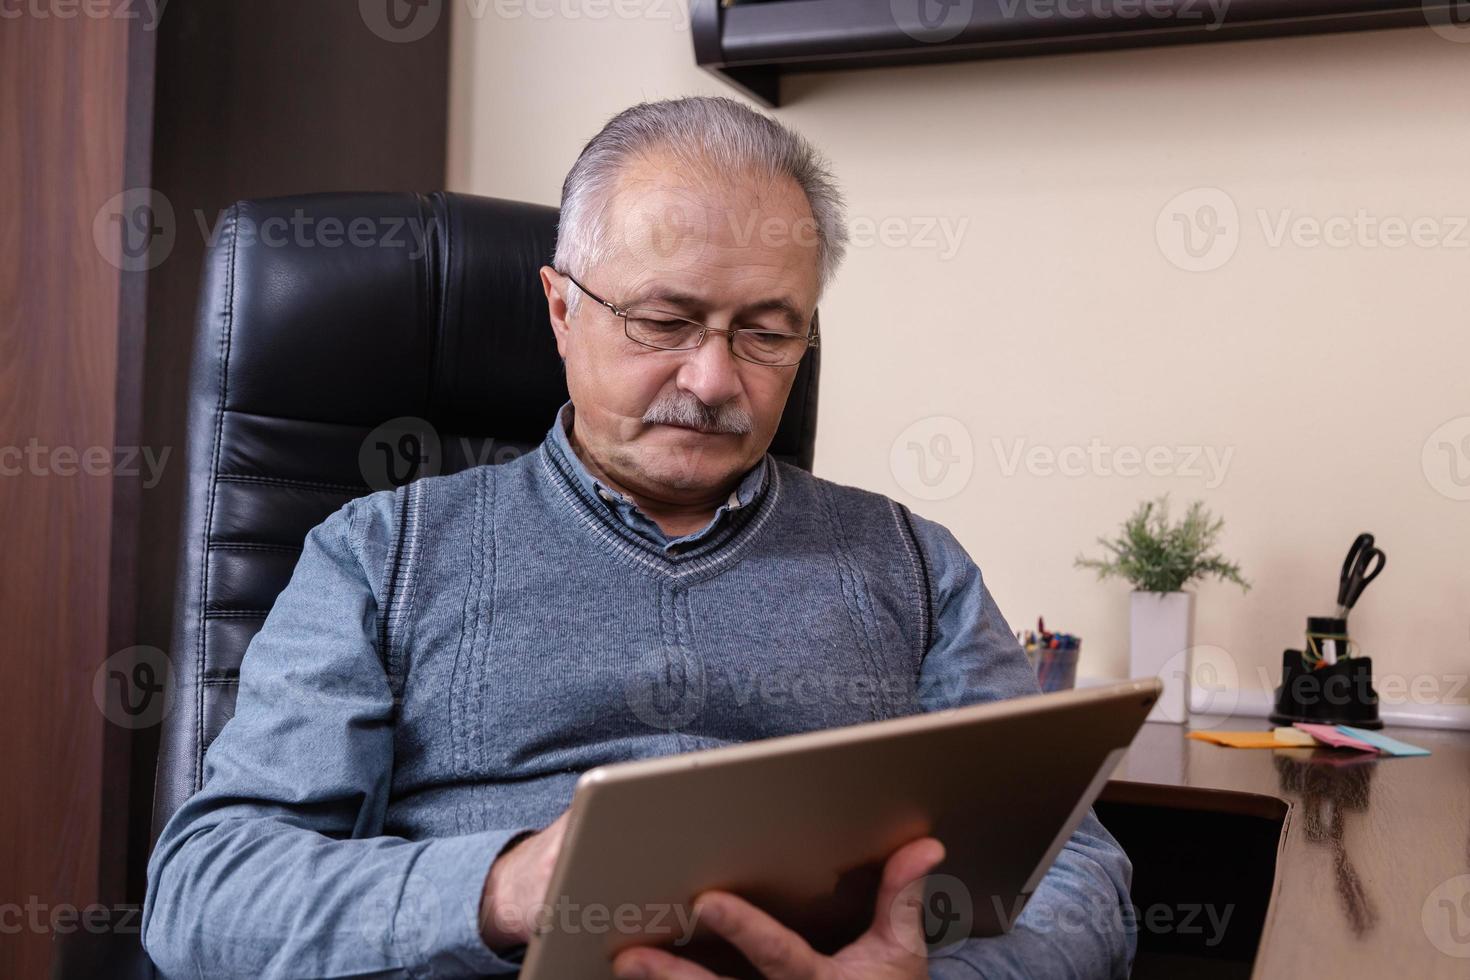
663 330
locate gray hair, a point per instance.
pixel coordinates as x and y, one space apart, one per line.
707 134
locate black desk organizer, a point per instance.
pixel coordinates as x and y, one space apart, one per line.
1335 694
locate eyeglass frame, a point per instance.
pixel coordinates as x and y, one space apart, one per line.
812 336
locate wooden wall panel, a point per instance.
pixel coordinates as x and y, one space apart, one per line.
62 157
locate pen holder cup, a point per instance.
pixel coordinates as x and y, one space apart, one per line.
1056 670
1313 690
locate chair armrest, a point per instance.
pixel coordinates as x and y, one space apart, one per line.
104 951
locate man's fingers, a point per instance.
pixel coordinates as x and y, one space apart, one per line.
647 963
899 915
774 950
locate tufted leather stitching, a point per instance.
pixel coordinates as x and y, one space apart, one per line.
280 481
224 384
253 546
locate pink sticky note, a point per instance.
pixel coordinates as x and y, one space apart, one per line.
1330 735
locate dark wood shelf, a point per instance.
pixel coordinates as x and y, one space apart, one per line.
752 45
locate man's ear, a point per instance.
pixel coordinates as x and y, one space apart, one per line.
555 286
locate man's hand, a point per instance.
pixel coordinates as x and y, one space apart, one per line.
892 948
516 887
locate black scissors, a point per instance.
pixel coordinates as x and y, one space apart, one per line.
1362 565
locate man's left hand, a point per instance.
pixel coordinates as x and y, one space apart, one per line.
892 948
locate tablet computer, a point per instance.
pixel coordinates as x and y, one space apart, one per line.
801 825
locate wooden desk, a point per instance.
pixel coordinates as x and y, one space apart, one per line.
1368 852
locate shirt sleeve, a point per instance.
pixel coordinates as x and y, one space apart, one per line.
280 866
1078 922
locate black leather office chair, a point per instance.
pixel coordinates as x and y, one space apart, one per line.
322 318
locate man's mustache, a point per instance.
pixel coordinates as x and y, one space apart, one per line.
694 414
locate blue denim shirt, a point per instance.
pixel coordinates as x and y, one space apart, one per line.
285 865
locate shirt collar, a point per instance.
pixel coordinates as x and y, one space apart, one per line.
751 485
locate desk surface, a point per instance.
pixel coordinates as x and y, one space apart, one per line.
1373 866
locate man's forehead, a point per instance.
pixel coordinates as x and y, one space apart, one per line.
737 208
710 244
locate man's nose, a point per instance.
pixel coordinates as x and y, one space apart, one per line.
711 371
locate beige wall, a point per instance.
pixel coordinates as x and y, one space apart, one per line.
1316 374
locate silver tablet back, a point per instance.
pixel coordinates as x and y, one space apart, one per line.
801 825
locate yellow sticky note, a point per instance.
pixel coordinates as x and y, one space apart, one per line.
1242 740
1294 736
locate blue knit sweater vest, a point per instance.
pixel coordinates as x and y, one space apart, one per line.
529 635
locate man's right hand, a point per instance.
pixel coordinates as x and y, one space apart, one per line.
515 888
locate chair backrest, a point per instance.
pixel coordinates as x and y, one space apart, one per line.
339 337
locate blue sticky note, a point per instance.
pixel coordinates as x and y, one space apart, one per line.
1381 742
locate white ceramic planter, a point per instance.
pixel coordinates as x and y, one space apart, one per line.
1160 633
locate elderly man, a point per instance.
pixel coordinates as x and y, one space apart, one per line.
390 796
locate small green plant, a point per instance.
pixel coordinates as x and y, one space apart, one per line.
1157 556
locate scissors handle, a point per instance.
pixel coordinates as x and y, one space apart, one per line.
1361 574
1361 543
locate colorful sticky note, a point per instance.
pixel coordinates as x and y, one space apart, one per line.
1294 736
1383 743
1241 740
1331 736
